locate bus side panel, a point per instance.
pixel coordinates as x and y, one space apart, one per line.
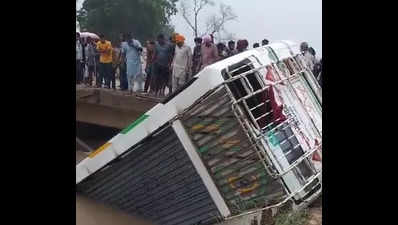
156 180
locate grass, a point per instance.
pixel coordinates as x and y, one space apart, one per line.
292 218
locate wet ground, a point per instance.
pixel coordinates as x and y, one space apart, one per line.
315 213
89 212
92 213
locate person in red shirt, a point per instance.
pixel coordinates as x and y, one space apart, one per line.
242 45
209 52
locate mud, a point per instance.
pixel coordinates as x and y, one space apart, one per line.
315 212
93 213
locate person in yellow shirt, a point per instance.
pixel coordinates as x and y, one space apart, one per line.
104 48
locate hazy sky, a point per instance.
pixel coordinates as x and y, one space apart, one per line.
296 20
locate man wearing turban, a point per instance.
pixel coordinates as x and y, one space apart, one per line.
209 52
182 63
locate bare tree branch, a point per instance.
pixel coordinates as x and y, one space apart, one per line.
203 3
198 6
195 5
185 14
216 24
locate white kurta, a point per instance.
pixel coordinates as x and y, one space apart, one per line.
181 66
310 60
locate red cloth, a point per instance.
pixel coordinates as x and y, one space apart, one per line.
273 105
316 156
269 75
277 109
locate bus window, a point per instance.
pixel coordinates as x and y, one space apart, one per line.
258 107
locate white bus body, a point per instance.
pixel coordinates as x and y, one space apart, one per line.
244 135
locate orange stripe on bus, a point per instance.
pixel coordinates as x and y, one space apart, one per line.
100 149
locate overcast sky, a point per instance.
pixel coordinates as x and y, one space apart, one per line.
296 20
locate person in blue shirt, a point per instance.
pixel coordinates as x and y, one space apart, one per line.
161 64
132 49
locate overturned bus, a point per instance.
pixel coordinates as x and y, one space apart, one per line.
244 135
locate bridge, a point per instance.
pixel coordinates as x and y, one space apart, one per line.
102 113
110 108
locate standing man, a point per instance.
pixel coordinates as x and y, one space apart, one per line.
104 48
316 69
116 61
84 56
196 56
132 50
209 52
161 61
231 48
97 63
181 65
123 67
79 60
173 45
90 55
309 58
242 45
222 51
150 48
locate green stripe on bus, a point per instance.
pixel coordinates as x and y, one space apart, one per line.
134 124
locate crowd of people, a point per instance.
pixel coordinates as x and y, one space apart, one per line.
313 63
169 63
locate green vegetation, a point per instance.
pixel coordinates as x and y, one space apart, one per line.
145 18
292 218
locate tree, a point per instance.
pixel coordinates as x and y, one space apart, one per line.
215 24
77 26
168 30
188 7
142 17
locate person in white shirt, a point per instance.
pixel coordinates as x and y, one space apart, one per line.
181 66
310 58
79 60
90 51
132 50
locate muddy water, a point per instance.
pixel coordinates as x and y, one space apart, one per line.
315 216
315 212
89 212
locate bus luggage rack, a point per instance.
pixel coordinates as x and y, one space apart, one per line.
231 159
249 92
